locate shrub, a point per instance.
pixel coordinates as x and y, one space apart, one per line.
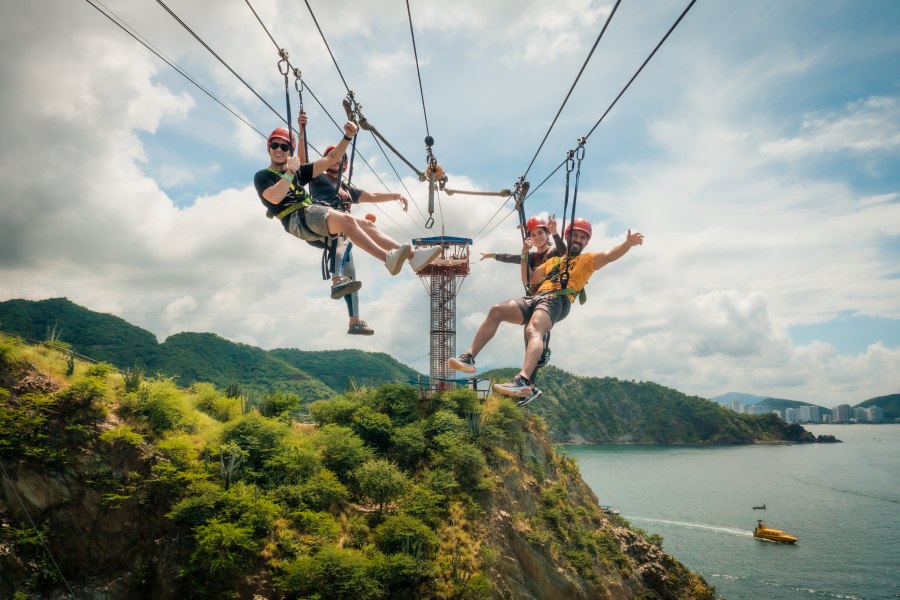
260 438
333 573
279 403
160 405
403 533
214 403
222 549
122 435
83 391
463 457
397 401
100 370
380 481
323 491
373 427
341 449
179 449
339 411
444 421
316 529
409 444
460 401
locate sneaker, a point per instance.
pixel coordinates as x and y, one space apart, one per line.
423 258
544 359
360 328
519 387
344 286
465 363
535 392
395 258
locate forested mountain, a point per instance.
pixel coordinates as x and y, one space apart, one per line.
336 368
609 410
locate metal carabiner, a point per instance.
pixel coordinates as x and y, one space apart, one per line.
283 54
570 161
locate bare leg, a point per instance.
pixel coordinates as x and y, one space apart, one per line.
347 224
378 236
507 311
539 325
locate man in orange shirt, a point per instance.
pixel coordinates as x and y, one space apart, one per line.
550 305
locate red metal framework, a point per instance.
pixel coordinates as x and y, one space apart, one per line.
442 280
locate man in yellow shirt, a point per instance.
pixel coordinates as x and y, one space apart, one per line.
550 305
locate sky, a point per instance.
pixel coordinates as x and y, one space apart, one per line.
758 152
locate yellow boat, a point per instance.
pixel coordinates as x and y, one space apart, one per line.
773 535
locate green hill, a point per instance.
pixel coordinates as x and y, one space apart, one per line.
337 367
609 410
191 357
100 336
209 357
890 404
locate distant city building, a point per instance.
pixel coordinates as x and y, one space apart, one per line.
775 411
861 414
842 413
875 414
790 415
736 406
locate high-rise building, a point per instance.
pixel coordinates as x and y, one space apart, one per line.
790 415
875 414
841 413
861 414
736 406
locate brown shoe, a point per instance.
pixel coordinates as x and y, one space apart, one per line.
360 328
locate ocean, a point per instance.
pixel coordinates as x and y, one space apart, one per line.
841 500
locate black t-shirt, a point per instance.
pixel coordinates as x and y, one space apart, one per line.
265 179
324 191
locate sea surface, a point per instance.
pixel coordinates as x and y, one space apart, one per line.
841 500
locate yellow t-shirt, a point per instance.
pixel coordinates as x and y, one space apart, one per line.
580 270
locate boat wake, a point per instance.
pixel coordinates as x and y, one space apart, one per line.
702 526
815 593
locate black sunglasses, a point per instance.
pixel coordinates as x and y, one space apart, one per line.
277 146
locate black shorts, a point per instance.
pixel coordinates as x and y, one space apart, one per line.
556 306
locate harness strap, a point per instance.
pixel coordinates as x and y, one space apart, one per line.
293 207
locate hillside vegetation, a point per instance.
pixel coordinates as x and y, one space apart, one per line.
609 410
123 487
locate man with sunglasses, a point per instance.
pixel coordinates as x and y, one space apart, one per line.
280 188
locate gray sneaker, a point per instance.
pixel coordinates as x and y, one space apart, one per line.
395 258
344 286
465 363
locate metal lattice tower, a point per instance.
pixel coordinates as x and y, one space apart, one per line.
442 279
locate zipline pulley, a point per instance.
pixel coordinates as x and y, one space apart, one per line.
573 163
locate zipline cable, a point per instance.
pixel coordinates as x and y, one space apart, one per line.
418 72
327 47
118 21
574 83
219 58
627 85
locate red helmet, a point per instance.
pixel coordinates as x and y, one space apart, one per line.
281 133
534 222
579 224
329 149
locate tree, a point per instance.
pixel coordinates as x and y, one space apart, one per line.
380 481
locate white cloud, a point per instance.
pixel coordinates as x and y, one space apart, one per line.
697 156
865 125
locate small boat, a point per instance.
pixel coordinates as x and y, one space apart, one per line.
763 507
773 535
609 510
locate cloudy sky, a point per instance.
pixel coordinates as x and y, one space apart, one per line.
758 152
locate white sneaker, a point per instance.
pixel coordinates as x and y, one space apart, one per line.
423 258
395 258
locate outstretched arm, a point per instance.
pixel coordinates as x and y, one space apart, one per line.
631 239
384 197
322 165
